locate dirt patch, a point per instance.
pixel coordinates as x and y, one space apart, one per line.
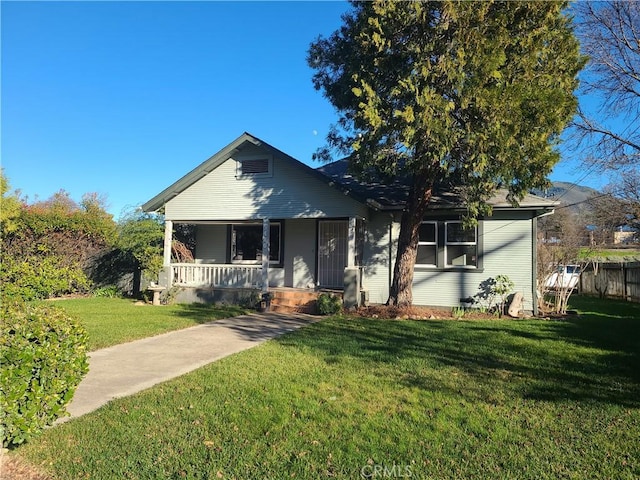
417 313
68 297
13 468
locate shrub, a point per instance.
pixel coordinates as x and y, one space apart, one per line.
43 357
40 277
493 289
502 288
109 291
251 301
329 304
168 297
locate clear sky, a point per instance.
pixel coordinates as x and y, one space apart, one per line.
123 98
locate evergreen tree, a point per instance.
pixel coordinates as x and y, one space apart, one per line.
470 93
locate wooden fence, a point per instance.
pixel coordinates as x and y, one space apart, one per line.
612 280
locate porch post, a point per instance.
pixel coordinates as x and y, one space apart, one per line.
168 239
266 237
166 275
351 293
351 249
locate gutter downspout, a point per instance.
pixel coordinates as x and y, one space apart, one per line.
390 279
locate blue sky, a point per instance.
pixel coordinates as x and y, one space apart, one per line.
123 98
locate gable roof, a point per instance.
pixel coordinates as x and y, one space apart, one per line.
393 196
222 156
379 196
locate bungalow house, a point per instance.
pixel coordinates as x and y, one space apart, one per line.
266 221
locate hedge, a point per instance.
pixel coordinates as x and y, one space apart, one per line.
43 358
36 277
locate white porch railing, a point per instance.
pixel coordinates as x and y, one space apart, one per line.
200 275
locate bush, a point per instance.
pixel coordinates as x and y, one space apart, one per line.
329 304
43 357
40 277
493 294
109 291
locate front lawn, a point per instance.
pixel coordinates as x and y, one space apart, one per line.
354 397
110 321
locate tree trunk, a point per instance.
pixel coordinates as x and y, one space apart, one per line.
401 293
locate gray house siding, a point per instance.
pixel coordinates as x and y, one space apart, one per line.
507 241
379 253
288 191
211 244
300 253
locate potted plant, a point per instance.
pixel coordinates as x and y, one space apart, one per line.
265 301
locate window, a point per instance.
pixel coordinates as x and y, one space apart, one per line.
246 243
445 244
461 246
428 244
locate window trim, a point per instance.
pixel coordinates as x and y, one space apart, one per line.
277 263
434 243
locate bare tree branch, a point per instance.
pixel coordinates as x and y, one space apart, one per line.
610 35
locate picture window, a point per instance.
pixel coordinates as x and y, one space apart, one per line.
246 243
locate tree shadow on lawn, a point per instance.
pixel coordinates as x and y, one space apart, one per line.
203 313
251 326
545 360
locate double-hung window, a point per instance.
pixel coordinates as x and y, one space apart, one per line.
427 244
446 244
461 245
246 243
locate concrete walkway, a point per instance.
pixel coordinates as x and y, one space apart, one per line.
128 368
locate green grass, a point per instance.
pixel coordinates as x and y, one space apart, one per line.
525 399
110 321
610 255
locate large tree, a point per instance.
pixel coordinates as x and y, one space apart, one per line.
473 93
609 34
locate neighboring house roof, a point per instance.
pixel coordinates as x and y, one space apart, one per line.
387 196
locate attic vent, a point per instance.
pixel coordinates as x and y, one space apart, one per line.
253 166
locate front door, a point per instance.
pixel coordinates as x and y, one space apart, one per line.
332 252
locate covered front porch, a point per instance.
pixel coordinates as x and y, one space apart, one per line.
264 254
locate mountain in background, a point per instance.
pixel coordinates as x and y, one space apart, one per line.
569 194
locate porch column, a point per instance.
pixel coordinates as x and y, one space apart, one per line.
351 293
266 238
165 278
168 239
351 248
